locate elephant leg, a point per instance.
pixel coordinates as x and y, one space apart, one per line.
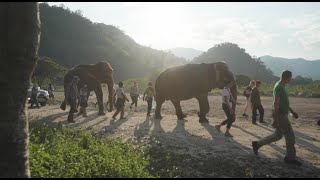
179 113
159 102
204 108
99 95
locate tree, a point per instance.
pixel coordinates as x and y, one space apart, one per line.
242 80
47 71
19 41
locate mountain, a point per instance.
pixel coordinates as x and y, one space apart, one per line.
187 53
298 66
238 60
70 39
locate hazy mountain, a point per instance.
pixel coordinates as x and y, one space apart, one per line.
187 53
238 60
298 66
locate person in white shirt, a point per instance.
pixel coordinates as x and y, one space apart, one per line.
121 97
227 102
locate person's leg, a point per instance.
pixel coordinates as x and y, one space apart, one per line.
136 103
132 101
289 137
37 103
246 108
227 112
116 113
149 101
261 112
254 114
122 113
275 136
230 120
72 109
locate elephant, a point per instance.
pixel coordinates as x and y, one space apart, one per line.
192 81
92 75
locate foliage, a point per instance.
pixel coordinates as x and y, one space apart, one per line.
47 71
242 80
301 80
61 152
71 39
142 81
238 60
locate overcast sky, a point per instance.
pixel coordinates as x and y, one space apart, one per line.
286 29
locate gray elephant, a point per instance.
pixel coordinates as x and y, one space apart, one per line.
92 75
191 81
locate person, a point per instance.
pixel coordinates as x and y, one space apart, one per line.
281 123
247 93
256 103
72 95
51 92
148 96
227 102
34 96
134 94
120 102
83 100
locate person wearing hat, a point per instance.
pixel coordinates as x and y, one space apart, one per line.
149 98
72 95
121 98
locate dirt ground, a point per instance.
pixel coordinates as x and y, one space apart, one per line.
202 141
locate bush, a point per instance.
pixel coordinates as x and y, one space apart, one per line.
61 152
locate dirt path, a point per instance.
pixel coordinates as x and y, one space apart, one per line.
202 141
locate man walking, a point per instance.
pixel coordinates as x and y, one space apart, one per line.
72 95
247 93
256 104
134 94
281 122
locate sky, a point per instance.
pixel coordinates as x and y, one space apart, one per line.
280 29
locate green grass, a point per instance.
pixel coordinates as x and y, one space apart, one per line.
61 152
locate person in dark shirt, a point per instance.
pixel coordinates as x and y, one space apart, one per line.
256 104
247 93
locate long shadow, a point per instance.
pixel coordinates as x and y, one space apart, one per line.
114 124
87 119
141 130
301 140
49 119
280 150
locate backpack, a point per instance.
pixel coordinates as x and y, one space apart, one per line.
244 92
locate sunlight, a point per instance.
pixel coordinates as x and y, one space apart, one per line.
164 21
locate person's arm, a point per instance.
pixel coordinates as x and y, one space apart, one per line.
125 97
295 115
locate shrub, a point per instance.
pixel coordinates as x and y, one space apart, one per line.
62 152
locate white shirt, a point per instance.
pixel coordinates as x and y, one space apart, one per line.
119 92
226 92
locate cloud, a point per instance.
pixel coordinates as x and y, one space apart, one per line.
243 32
306 30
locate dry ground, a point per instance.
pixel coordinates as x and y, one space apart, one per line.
201 142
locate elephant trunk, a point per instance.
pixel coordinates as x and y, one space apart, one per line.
110 90
234 93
